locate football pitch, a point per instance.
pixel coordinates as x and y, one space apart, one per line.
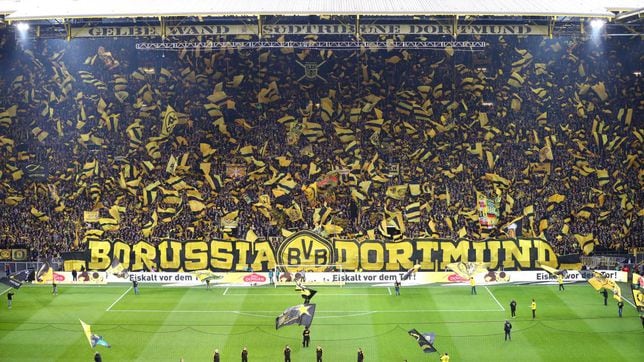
170 323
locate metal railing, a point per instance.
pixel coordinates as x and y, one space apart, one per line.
16 266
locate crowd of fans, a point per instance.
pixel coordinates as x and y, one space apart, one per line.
445 123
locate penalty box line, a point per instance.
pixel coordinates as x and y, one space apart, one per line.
496 300
118 299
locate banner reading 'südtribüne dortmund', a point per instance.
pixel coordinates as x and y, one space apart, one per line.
305 29
307 248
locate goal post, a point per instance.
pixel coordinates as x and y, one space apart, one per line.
308 274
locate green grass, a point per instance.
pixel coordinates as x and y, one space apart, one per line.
165 324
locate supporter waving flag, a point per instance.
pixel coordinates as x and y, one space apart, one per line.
93 339
425 340
15 280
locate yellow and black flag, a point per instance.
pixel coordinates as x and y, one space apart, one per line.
598 281
170 120
93 339
554 271
412 211
468 269
117 269
16 279
301 314
425 340
207 275
307 294
637 286
411 271
45 273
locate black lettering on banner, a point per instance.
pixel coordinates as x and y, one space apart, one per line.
305 248
122 251
170 255
196 255
307 251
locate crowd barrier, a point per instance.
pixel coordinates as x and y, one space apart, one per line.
372 278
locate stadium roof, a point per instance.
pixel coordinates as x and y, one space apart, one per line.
67 9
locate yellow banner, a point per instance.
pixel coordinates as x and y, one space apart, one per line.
307 248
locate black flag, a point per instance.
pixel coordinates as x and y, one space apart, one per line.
16 279
425 341
301 314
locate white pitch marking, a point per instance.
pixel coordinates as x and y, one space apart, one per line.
389 290
317 312
317 295
5 291
119 298
496 300
629 302
225 291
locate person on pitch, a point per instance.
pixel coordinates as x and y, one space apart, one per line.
473 285
306 337
507 328
318 354
513 308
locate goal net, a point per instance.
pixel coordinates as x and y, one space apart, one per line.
308 274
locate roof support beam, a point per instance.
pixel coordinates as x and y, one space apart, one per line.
259 26
455 26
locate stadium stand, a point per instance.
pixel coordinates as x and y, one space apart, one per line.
100 140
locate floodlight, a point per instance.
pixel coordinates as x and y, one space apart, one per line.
22 26
597 23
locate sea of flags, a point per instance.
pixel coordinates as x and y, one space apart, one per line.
347 126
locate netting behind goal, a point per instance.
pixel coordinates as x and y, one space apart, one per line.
308 274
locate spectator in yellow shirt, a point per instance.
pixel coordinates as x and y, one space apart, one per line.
533 306
473 285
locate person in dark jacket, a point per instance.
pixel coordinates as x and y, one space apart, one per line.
287 354
306 337
513 308
507 328
216 357
604 293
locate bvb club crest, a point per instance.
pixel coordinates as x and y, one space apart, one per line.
311 70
